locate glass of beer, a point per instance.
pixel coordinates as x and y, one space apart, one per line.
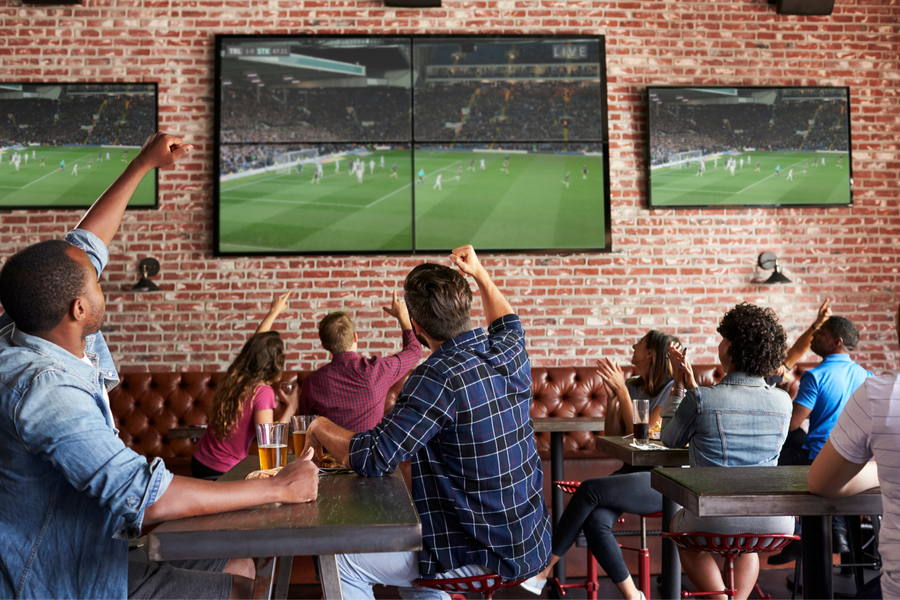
641 413
299 424
272 441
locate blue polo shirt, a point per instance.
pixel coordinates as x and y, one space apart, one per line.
825 390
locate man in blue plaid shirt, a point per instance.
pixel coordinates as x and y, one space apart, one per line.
463 419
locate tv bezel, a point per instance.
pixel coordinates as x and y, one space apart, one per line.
221 39
155 174
648 153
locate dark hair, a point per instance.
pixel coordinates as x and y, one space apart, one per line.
661 369
439 299
336 332
39 284
843 328
758 341
261 361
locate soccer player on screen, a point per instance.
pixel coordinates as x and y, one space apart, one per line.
482 164
32 155
359 174
823 161
506 165
715 162
319 170
757 167
471 164
742 164
567 180
26 159
459 172
125 156
805 167
107 157
700 170
317 178
337 165
300 170
732 169
90 162
584 171
372 167
840 162
790 176
421 175
394 171
62 166
437 183
777 171
382 161
43 162
74 168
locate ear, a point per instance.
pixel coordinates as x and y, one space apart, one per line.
355 337
78 310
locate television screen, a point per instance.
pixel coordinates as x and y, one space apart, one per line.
63 144
402 144
749 146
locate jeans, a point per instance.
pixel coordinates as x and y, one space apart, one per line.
595 506
359 571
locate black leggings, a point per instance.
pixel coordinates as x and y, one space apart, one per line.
595 506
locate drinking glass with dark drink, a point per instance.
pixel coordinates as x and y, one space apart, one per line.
299 425
641 421
272 441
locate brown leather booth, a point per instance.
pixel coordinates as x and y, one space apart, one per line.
146 405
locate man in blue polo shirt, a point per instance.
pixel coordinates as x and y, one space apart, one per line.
821 398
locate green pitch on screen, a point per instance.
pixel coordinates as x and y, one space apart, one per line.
818 185
531 207
47 186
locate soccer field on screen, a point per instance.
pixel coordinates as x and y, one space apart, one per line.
531 207
828 184
48 186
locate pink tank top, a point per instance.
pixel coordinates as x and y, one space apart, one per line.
221 455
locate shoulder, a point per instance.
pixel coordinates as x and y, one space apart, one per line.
263 397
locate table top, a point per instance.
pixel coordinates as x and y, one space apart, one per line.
620 448
755 491
566 424
186 433
352 514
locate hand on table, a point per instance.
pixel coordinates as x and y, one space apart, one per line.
299 480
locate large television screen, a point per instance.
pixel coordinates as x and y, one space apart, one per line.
749 146
63 144
399 144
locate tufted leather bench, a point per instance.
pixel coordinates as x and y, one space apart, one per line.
146 405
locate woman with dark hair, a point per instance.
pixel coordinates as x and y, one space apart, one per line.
598 503
740 422
244 399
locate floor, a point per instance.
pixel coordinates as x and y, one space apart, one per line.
773 581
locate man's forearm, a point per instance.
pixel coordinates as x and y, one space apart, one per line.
800 347
103 218
187 497
495 305
333 438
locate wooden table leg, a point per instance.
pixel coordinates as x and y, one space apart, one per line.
556 494
815 545
671 564
331 578
265 578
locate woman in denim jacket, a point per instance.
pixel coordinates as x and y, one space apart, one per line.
740 422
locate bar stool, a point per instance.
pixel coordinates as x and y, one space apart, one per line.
729 546
458 586
591 584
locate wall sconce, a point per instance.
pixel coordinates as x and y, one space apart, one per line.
767 261
148 267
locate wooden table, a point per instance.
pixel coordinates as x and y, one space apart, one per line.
186 433
351 515
557 426
769 491
621 448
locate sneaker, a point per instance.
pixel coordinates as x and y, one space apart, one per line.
534 585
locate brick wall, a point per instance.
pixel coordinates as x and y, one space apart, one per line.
673 271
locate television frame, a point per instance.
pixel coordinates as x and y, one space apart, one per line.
648 154
604 195
82 207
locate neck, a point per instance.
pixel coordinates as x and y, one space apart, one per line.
73 345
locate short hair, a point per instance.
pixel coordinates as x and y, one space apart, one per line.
758 341
39 283
336 332
439 299
843 328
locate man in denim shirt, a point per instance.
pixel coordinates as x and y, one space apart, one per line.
72 493
463 419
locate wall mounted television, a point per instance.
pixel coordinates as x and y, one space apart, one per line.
749 146
404 144
63 144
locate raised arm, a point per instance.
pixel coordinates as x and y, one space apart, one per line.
801 346
495 305
103 218
277 307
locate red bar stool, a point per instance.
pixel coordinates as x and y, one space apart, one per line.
729 546
457 587
591 584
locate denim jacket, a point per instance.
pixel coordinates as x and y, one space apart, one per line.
71 493
740 422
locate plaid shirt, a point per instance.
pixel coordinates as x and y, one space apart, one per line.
463 417
350 390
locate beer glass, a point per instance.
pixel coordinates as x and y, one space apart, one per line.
641 413
299 424
272 441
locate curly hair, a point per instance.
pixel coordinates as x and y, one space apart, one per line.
758 341
261 361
